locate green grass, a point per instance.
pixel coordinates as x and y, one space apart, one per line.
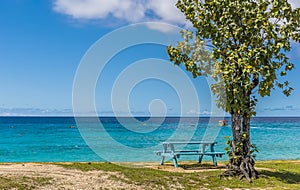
275 175
23 183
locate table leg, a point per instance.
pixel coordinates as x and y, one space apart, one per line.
162 160
214 160
200 159
163 157
201 156
174 157
213 156
175 162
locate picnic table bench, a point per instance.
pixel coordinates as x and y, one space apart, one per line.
206 148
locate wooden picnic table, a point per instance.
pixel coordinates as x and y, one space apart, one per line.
205 148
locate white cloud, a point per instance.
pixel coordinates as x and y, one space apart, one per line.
34 112
129 11
161 27
295 3
167 11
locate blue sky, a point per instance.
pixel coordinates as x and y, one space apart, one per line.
43 42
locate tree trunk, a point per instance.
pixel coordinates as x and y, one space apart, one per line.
241 163
246 130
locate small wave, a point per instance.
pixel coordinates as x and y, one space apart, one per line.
272 128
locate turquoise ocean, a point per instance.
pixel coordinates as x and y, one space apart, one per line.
60 139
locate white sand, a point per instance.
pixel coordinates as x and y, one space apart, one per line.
62 178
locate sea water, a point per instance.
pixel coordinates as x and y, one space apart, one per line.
66 139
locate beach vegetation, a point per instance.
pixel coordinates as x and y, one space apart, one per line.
243 46
23 182
275 175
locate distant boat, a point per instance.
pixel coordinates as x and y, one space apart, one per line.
223 123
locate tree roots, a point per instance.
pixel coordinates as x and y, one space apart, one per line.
243 169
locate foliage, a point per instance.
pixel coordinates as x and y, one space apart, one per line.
239 149
242 44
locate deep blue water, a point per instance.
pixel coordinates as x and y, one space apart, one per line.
51 139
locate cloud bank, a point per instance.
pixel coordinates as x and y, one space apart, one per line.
295 3
126 11
34 112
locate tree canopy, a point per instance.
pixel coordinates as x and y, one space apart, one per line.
242 44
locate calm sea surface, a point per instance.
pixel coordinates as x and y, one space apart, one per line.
54 139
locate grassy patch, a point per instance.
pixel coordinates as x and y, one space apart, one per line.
287 172
275 175
22 183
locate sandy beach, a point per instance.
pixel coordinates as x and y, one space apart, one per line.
62 178
59 177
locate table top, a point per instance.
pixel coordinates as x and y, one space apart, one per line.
190 142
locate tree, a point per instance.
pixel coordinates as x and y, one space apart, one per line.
242 44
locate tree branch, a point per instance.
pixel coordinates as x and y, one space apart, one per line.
255 81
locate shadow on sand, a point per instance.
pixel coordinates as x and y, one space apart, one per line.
202 166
